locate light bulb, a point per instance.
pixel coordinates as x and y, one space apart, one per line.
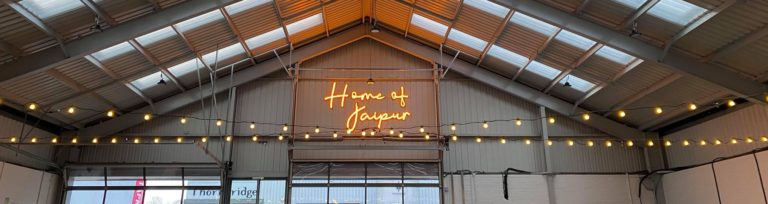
255 138
136 141
253 125
454 137
55 140
110 113
649 143
749 140
630 143
763 139
703 142
485 124
608 143
204 139
518 122
667 143
147 116
692 107
421 129
317 129
718 142
503 141
549 142
335 135
349 132
478 140
585 116
13 139
32 106
590 143
426 136
183 120
731 103
179 140
621 114
658 110
95 140
306 135
453 127
157 140
219 122
280 137
400 135
686 143
71 110
228 138
363 133
373 133
570 142
114 140
527 141
34 140
734 141
285 127
551 120
391 131
74 140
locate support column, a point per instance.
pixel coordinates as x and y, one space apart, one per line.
547 158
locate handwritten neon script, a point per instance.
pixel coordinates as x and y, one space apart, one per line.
358 114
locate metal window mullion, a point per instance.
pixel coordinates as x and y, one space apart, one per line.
104 197
183 185
258 191
144 184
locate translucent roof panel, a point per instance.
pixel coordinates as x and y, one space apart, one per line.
304 24
543 70
49 8
185 67
200 20
577 83
615 55
574 39
678 12
266 38
488 6
223 53
153 37
508 56
468 40
634 4
113 51
533 24
429 25
147 81
241 6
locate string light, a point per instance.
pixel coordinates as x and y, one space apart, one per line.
608 143
136 141
718 142
335 135
74 140
734 141
649 143
485 124
630 143
228 138
527 141
219 122
667 143
317 129
157 140
621 114
503 141
518 122
71 110
453 127
658 110
306 135
183 120
551 120
426 136
349 132
148 116
204 139
570 142
585 116
363 133
280 137
95 140
13 139
111 113
763 139
391 131
34 140
421 129
285 128
749 140
400 135
32 106
114 140
478 140
549 142
590 143
454 137
373 133
253 125
703 142
179 140
55 140
731 103
692 107
686 143
255 138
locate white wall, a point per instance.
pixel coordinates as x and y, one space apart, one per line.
534 189
20 185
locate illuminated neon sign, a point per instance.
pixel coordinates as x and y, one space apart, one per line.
360 114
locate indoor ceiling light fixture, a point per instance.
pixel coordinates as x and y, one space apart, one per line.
162 80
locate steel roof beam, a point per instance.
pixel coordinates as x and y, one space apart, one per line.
573 66
496 36
191 47
281 22
639 12
695 24
593 91
736 83
645 92
99 12
236 31
40 25
117 77
152 59
46 59
538 53
240 77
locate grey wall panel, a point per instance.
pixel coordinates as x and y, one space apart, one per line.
366 150
252 159
160 153
580 158
696 185
599 189
738 181
24 185
264 101
170 126
492 156
747 122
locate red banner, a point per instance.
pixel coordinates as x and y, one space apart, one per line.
138 195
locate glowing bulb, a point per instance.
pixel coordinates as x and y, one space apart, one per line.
649 143
551 120
317 129
204 139
255 138
454 137
13 139
703 142
179 140
718 142
400 135
306 135
95 140
32 106
183 120
503 141
570 142
518 122
373 133
585 116
453 127
621 114
731 103
114 140
285 127
667 143
734 141
253 125
110 113
74 140
630 143
763 139
228 138
219 122
549 142
426 136
280 137
608 143
692 107
749 140
55 140
349 132
421 129
71 110
147 117
136 141
485 124
335 135
363 133
157 140
590 143
766 99
658 110
391 131
34 140
478 140
686 143
527 141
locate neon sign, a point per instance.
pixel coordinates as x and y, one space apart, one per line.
360 114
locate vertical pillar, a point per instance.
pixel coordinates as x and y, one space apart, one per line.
548 168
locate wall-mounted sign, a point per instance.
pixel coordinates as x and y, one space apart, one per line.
360 99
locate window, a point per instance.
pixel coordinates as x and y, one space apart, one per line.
466 39
268 191
45 9
158 35
508 56
577 83
244 5
304 24
634 4
111 52
543 70
266 38
678 12
147 82
370 183
429 25
533 24
615 55
223 53
489 7
272 192
574 39
186 67
200 20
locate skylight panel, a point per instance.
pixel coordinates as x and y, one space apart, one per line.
533 24
304 24
45 9
241 6
146 82
488 6
185 67
113 51
508 56
156 36
577 83
468 40
200 20
678 12
543 70
634 4
615 55
429 25
575 40
223 53
266 38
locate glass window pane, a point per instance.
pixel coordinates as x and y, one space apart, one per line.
428 24
422 195
304 24
202 177
533 24
125 177
488 6
86 177
307 195
47 9
124 196
384 195
421 172
272 192
310 173
85 197
164 177
201 196
347 172
385 173
347 195
244 191
162 197
574 39
679 12
467 39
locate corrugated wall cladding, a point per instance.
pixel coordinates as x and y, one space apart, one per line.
445 8
20 33
37 86
120 95
12 128
750 59
366 150
580 158
170 126
251 159
342 12
265 101
735 22
84 73
160 153
393 13
747 122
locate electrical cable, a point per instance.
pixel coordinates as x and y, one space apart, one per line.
505 186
